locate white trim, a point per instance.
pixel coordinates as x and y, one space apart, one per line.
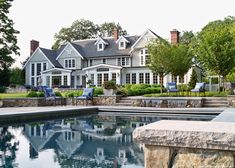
104 65
69 44
38 49
98 46
100 39
146 31
58 69
122 38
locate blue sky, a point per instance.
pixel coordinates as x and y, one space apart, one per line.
41 19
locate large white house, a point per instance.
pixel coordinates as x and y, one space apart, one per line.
119 58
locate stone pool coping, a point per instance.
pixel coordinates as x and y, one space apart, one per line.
188 134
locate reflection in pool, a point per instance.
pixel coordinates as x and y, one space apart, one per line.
81 142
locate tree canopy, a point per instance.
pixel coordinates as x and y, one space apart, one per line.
214 46
84 29
8 41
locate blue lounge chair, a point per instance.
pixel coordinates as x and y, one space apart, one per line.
86 95
50 95
171 87
200 87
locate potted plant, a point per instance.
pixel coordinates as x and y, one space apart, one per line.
110 88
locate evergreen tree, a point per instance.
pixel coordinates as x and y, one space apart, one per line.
8 41
193 79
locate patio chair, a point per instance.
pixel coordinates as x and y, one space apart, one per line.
200 87
50 95
171 87
86 95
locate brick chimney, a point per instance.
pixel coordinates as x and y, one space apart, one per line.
33 46
175 36
115 34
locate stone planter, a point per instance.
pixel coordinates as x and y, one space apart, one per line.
109 92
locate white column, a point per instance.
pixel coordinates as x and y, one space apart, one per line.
118 78
137 78
95 78
151 78
69 79
30 131
110 75
41 130
62 79
50 81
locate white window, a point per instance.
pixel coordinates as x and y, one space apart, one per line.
133 78
144 57
104 61
70 63
122 45
128 78
100 47
44 66
119 61
32 70
124 61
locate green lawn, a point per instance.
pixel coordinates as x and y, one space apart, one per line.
12 95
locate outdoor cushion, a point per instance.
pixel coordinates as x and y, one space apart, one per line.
171 87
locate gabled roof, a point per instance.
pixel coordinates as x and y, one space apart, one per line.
47 54
146 31
76 48
51 55
86 47
122 38
100 39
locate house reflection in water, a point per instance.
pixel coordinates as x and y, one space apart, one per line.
104 141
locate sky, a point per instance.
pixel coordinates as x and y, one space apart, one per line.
41 19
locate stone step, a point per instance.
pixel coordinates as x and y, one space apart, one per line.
215 102
125 101
123 104
215 105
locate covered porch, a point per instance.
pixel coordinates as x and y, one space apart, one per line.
98 74
56 77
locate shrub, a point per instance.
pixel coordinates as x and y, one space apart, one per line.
110 85
32 94
40 94
140 86
122 91
58 94
183 88
98 91
2 89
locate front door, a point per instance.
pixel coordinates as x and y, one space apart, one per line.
56 81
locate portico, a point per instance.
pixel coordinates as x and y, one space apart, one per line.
56 77
100 73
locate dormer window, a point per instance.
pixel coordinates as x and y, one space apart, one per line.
122 45
100 43
122 42
100 47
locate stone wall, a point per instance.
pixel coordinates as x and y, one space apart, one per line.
32 102
231 100
186 144
105 100
168 102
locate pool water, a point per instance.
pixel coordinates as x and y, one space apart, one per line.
97 141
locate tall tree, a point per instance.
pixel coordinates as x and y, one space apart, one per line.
106 29
215 46
8 39
159 51
17 76
80 29
181 59
84 29
187 37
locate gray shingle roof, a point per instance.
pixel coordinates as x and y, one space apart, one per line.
88 49
51 55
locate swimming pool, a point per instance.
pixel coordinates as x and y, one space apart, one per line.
102 140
